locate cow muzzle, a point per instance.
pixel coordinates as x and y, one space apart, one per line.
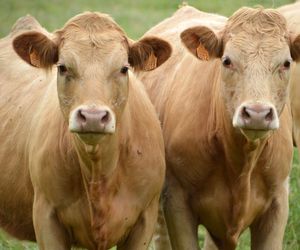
92 120
256 118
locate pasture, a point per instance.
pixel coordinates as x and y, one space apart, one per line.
136 17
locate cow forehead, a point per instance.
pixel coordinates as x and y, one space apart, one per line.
102 45
257 21
257 46
91 22
257 35
256 28
91 34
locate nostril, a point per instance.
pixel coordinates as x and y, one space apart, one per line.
105 118
80 116
270 115
245 113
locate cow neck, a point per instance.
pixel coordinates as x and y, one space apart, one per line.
98 161
99 172
240 157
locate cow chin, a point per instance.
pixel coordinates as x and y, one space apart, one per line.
253 134
92 138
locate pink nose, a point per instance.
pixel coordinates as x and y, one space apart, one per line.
257 116
90 120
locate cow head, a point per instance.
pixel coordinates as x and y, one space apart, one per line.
93 57
255 51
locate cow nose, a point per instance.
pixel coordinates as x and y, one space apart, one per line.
92 120
93 117
257 117
257 112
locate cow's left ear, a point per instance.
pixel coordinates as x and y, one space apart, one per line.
295 48
148 53
202 42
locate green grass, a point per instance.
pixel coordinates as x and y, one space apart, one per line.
136 17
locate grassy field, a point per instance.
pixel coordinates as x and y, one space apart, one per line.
136 17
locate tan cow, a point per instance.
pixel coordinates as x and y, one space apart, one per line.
81 149
226 125
292 14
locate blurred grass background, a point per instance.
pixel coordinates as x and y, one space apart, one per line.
136 17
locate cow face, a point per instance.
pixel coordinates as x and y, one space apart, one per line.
93 57
256 51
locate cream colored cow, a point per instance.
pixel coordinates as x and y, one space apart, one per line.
222 102
81 150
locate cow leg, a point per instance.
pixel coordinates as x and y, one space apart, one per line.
50 234
209 244
182 224
161 237
141 234
268 231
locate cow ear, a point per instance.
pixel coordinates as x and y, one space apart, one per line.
295 49
202 42
36 49
149 53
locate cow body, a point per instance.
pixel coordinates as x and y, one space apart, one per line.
95 187
221 174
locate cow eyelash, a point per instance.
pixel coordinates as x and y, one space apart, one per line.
124 70
62 69
226 61
287 64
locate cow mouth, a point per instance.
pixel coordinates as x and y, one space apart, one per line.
91 132
254 134
91 138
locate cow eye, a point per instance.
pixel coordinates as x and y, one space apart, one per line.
62 69
124 70
287 64
226 61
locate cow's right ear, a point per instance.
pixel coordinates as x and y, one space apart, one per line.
148 53
36 49
202 42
